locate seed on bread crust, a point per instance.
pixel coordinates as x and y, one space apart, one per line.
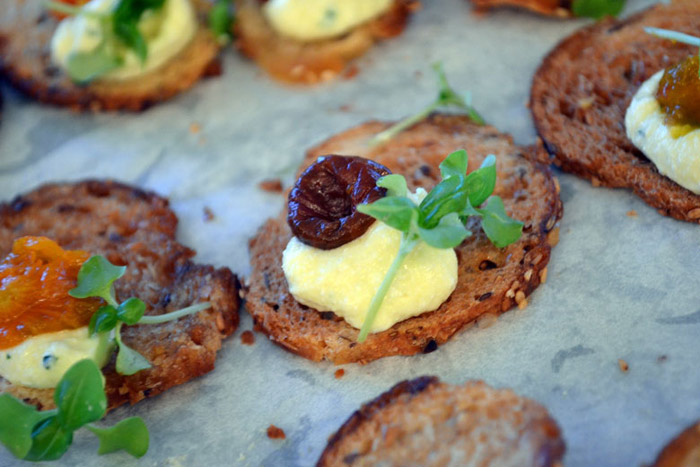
136 228
426 422
293 61
416 153
607 62
682 451
25 59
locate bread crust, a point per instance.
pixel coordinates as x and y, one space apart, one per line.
485 426
135 228
582 89
560 8
490 281
25 59
293 61
683 450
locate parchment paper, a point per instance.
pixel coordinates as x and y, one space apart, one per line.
618 287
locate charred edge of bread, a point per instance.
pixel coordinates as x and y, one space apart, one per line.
683 450
179 351
26 64
641 176
558 8
290 60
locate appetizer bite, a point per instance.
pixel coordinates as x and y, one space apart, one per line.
308 41
561 8
92 273
426 422
683 450
614 104
106 54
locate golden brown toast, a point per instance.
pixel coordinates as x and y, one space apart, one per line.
683 450
135 228
490 281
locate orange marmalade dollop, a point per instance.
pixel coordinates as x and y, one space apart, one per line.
679 92
35 279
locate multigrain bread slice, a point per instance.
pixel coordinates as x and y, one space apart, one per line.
683 450
429 423
560 8
582 90
490 281
290 60
135 228
25 59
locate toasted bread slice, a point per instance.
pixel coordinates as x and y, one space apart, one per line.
25 59
290 60
683 450
582 90
134 228
491 280
560 8
429 423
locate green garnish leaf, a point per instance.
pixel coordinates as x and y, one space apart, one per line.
395 211
482 182
395 185
675 36
103 320
129 361
84 67
597 9
450 195
221 19
125 20
131 311
17 422
130 435
80 396
95 279
50 441
499 228
449 233
454 164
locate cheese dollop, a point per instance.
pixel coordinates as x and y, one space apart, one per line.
675 150
344 280
41 361
309 20
167 31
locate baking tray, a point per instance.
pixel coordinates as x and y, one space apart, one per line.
619 287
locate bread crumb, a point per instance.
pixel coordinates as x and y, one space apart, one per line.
624 367
345 108
195 128
273 185
351 71
521 300
274 432
208 214
632 213
339 373
595 182
662 358
247 338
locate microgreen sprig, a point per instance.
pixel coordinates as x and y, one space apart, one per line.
675 36
221 18
96 279
80 400
597 9
447 97
439 220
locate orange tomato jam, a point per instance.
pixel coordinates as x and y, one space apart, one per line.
59 15
35 279
679 92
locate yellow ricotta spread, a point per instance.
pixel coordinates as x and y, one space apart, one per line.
41 361
675 150
344 280
309 20
167 31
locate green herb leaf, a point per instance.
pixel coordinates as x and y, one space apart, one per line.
450 195
597 9
499 228
394 211
131 311
449 233
482 182
17 422
80 396
125 19
103 320
50 441
130 435
221 19
395 185
95 279
455 164
84 67
129 361
129 34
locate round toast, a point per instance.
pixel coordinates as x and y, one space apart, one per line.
26 29
682 451
582 90
429 423
490 280
560 8
135 228
293 61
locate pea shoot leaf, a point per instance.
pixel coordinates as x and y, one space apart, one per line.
50 441
482 182
597 9
125 20
454 164
449 233
396 212
221 19
499 228
80 396
395 185
130 361
17 422
95 279
84 67
130 435
131 311
103 320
